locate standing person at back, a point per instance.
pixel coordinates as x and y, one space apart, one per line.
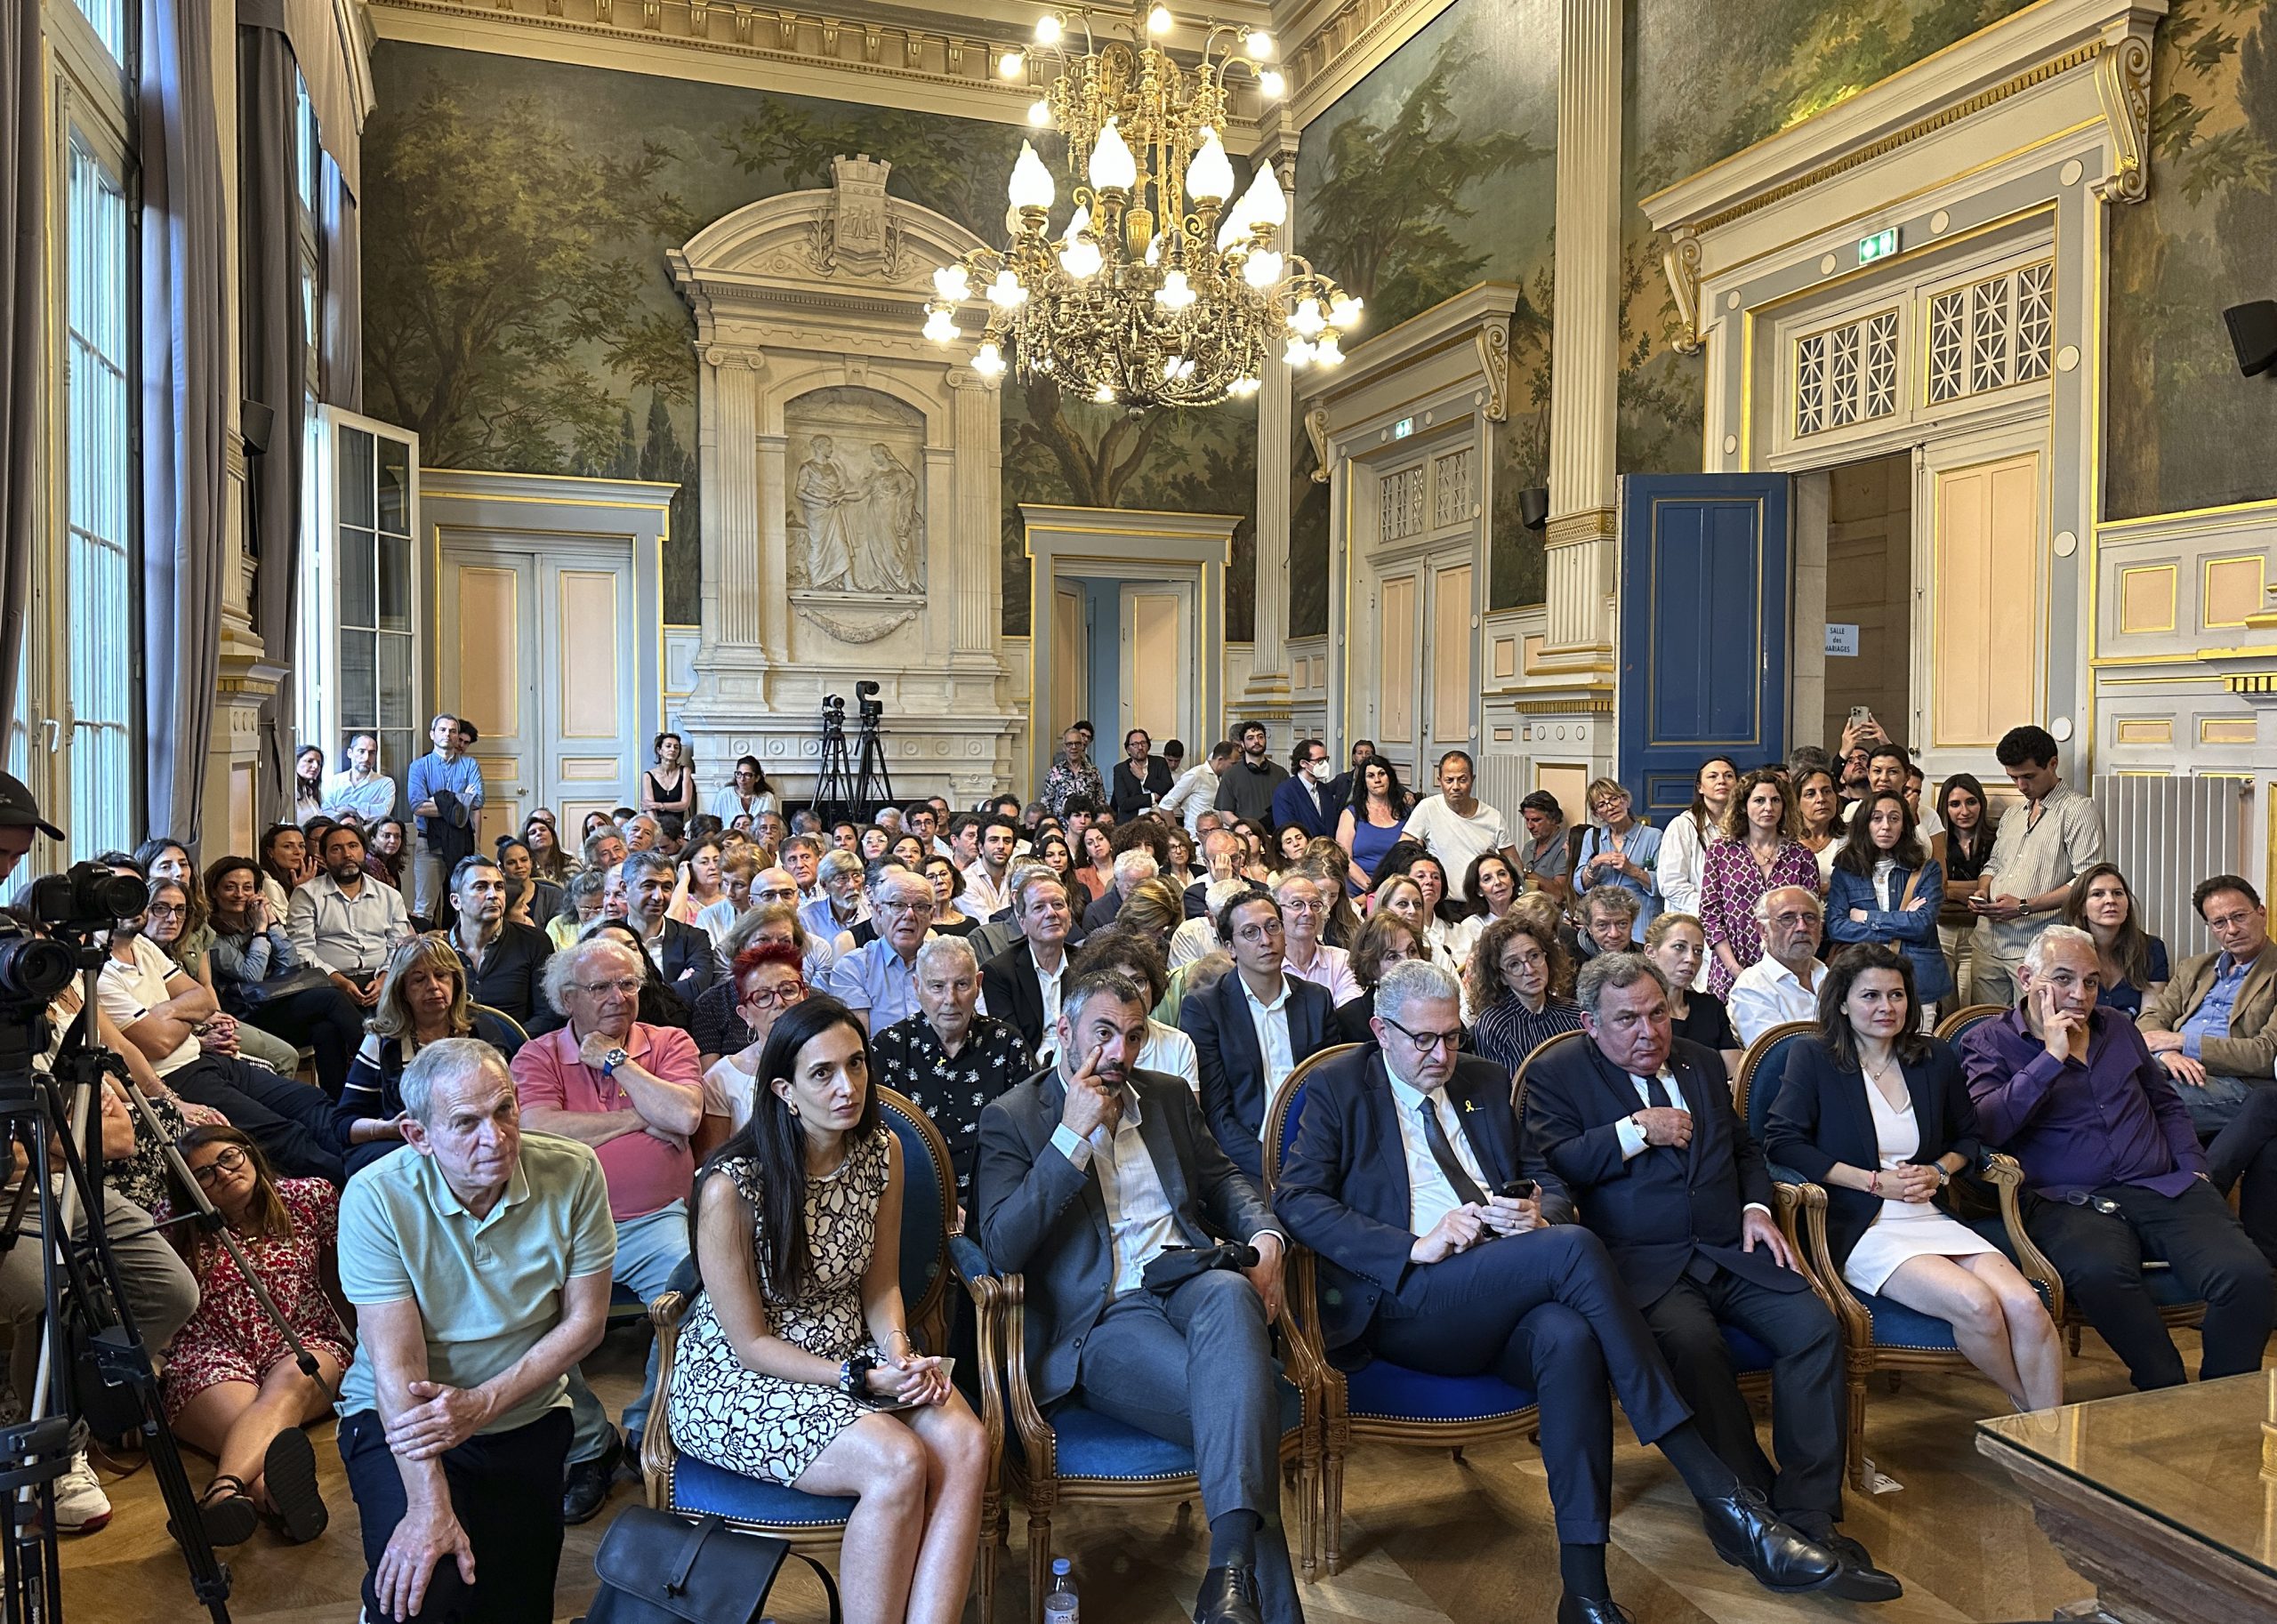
1245 788
1302 798
445 833
2039 849
1455 827
1195 793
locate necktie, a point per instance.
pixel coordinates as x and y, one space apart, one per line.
1657 1091
1434 1138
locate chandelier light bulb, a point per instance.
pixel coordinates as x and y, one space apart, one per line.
1111 167
1159 20
1271 83
1010 63
988 360
952 283
1231 230
1005 293
1040 113
1307 320
1209 177
1176 293
1031 187
1344 311
1244 387
1262 268
1078 258
940 326
1328 352
1258 43
1263 205
1046 30
1299 353
1103 395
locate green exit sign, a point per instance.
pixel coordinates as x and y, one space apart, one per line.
1880 246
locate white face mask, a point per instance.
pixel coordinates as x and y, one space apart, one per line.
1322 771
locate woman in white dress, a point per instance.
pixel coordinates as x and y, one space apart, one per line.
1880 1116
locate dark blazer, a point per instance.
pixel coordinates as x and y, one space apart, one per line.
1233 1067
1293 803
1344 1190
1129 796
1821 1116
1657 1210
1036 1214
1008 982
1196 899
1103 910
514 977
686 959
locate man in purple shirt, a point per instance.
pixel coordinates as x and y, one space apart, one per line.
2112 1169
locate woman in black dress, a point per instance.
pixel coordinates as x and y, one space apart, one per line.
1677 944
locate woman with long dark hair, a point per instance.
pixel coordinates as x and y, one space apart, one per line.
1758 853
669 786
286 864
385 851
1880 1117
1374 820
1819 821
307 783
795 1363
1960 849
1888 888
2133 961
549 861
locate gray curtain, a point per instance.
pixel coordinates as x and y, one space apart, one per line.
342 357
185 532
274 364
22 331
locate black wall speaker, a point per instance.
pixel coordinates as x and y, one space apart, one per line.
2253 334
1533 507
255 423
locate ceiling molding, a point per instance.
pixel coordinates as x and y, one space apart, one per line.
871 54
1328 46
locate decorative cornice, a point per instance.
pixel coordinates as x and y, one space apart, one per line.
1328 48
2123 80
1588 524
1563 707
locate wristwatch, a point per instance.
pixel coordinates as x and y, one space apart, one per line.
611 1061
853 1375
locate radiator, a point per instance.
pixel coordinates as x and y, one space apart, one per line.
1502 783
2166 835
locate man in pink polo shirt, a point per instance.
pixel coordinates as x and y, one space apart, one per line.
635 1094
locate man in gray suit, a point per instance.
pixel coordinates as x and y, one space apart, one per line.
1088 1172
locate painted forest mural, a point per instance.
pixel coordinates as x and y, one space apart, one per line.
519 315
2205 238
1437 171
1692 95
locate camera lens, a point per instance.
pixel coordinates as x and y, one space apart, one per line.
33 969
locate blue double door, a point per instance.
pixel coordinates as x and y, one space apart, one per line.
1703 629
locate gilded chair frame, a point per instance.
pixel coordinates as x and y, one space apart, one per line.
1339 1429
928 1323
1863 1356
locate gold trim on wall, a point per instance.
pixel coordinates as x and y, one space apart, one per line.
2129 627
2260 563
2145 732
2227 730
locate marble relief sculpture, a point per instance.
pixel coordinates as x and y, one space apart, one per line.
857 505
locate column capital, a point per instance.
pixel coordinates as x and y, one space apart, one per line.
724 357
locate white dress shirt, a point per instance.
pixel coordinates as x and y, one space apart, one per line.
1048 984
1172 1053
350 933
1139 1222
1430 1196
1271 1022
985 898
1765 994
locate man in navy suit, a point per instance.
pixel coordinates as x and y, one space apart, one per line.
1639 1125
1396 1179
1252 1028
1302 797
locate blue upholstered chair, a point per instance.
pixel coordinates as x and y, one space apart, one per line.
1379 1400
929 1256
1878 1333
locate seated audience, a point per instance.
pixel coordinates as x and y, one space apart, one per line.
1304 912
1608 917
1398 896
764 979
478 1265
739 870
1782 985
1191 1361
842 904
1758 852
581 905
1677 943
231 1388
548 860
1639 1126
605 848
1021 986
286 863
1880 1116
505 961
423 1000
950 1059
660 1006
878 981
514 860
1492 885
1619 850
2113 1168
1134 866
1545 857
700 882
987 882
717 1023
1168 1049
1405 1171
1252 1029
1521 991
2132 961
346 922
635 1094
1384 941
682 953
947 880
2214 1028
1888 888
177 924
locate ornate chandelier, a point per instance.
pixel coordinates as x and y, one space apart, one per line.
1160 288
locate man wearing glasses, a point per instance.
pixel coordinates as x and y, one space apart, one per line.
1439 1254
878 980
1252 1028
948 1058
1781 985
635 1094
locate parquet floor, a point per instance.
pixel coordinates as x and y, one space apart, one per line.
1426 1540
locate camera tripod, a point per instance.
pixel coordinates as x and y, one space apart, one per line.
855 791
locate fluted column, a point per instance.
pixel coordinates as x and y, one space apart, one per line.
734 577
1267 693
978 546
1585 359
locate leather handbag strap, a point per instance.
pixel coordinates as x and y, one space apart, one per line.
690 1548
829 1586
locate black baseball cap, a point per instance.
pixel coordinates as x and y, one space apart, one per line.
18 810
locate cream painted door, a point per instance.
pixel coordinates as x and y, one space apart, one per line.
1426 683
1158 660
1398 639
1982 592
534 654
1446 668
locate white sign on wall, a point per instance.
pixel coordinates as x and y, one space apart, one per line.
1842 640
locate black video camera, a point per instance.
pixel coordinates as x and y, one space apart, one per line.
872 708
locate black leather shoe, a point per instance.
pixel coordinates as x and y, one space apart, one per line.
1228 1597
1582 1610
586 1488
1747 1533
1858 1580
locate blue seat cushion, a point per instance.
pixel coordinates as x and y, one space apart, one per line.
699 1488
1747 1354
1094 1445
1895 1325
1383 1391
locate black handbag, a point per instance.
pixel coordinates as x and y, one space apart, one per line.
259 994
656 1568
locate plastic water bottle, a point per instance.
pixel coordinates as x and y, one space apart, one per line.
1060 1606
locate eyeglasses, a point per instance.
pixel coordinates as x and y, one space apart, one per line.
1425 1042
231 1161
167 910
777 893
781 998
1529 960
900 908
624 987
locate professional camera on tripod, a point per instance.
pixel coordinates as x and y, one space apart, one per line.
95 1372
844 790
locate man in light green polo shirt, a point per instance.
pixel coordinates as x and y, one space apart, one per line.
480 1261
